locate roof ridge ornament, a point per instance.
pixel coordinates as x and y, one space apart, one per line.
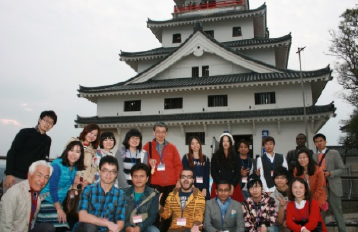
198 26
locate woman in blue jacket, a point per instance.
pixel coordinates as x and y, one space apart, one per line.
64 172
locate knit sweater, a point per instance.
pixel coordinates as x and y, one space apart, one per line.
193 211
28 146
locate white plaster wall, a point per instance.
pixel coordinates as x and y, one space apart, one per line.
239 99
266 55
145 64
285 139
222 31
183 67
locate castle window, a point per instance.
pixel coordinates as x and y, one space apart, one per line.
200 135
211 33
195 72
205 71
217 100
236 31
177 38
173 103
132 105
265 98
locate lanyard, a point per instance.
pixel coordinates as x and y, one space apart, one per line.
248 163
135 160
33 203
272 164
137 203
299 214
258 211
161 155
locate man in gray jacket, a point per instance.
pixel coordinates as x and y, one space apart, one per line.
21 203
223 213
331 163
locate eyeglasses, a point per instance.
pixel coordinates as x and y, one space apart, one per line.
48 122
223 190
112 172
186 177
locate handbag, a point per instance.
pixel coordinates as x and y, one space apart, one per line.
303 222
72 199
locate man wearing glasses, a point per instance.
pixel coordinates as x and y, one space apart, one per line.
102 205
29 145
185 204
223 213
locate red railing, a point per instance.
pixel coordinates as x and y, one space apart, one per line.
206 5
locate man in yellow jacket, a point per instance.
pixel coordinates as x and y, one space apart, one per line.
186 204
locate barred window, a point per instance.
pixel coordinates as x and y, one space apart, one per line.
132 105
236 31
217 100
200 135
205 71
177 38
173 103
210 33
265 98
195 72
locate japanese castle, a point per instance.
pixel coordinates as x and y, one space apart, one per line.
217 70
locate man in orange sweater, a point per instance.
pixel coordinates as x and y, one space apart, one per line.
186 204
166 165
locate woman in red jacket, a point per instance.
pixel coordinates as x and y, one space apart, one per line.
303 212
308 170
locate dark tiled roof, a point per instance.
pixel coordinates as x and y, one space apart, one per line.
201 81
200 17
208 115
230 44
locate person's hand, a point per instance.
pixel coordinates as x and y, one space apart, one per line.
61 216
9 181
263 228
285 224
152 162
203 192
258 172
305 230
136 229
77 180
130 229
232 190
269 193
112 226
282 201
327 174
195 228
178 185
245 172
160 197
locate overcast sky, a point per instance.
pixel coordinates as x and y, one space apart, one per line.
49 48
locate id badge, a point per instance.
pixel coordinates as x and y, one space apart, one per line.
32 224
137 218
271 173
233 213
199 180
181 222
161 167
244 180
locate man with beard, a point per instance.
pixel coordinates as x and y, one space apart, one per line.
224 208
186 204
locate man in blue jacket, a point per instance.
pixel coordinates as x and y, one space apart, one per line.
142 202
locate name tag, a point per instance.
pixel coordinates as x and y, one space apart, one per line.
224 231
244 179
271 173
32 224
181 222
137 218
233 213
161 167
199 180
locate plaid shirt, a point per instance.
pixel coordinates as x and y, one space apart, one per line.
97 203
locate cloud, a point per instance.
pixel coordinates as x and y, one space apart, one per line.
25 107
9 122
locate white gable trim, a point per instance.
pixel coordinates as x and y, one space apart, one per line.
200 43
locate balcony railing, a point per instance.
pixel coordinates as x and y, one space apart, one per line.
206 5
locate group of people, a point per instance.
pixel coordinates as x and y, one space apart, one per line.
150 188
